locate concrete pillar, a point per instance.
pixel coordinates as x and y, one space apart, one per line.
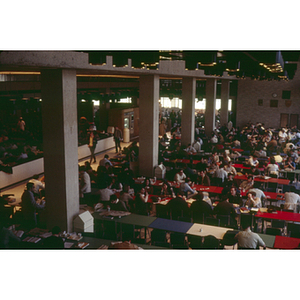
224 102
210 111
188 110
59 112
148 124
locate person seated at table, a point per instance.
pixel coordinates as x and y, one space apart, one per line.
289 164
177 207
202 178
247 184
202 165
253 200
104 193
167 190
234 154
229 168
292 199
259 192
228 183
213 167
259 150
253 171
54 241
248 239
199 208
234 197
140 202
126 197
272 168
226 158
105 160
224 207
180 176
214 158
197 144
148 186
8 239
117 204
185 188
90 171
190 149
252 161
102 176
220 175
115 185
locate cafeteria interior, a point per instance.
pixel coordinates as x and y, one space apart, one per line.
81 269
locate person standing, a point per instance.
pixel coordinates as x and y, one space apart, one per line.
30 206
21 124
118 137
92 144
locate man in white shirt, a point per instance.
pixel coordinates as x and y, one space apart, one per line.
197 144
190 149
85 182
221 173
291 200
180 176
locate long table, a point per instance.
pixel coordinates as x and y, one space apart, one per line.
279 215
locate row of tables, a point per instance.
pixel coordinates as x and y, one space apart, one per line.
202 230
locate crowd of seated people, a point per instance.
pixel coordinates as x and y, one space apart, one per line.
18 145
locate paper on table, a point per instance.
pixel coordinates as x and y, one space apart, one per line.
68 245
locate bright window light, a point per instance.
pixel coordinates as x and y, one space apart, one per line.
125 100
96 102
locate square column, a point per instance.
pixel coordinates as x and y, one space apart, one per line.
148 124
224 102
59 112
210 111
188 110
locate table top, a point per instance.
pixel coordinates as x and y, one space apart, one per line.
272 180
284 242
268 239
95 243
138 220
171 225
279 215
216 231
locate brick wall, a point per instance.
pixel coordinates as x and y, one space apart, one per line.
249 91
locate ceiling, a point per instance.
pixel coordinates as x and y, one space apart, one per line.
262 65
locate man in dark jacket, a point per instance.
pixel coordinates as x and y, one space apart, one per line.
226 208
30 206
200 209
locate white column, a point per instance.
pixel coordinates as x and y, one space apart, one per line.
210 111
148 124
188 110
224 101
59 111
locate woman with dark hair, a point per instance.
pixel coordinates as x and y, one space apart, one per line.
148 186
140 201
167 190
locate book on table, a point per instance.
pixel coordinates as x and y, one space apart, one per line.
81 245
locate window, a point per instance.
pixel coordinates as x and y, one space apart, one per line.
286 94
125 100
